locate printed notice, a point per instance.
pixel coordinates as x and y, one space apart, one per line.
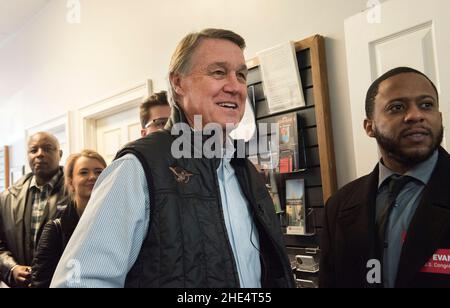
281 77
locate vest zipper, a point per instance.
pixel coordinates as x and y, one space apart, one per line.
257 206
277 250
230 249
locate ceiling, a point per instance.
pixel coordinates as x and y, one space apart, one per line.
14 14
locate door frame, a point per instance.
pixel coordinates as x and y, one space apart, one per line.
124 100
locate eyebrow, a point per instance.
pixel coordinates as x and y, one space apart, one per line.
87 169
428 96
46 145
404 98
243 67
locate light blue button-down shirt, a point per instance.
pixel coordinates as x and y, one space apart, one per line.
109 236
402 213
241 229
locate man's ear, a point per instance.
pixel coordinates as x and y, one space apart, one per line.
60 154
369 128
175 81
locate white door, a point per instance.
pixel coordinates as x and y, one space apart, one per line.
412 33
61 135
114 131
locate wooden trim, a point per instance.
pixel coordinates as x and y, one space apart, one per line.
125 100
6 149
309 42
316 44
252 63
5 164
323 116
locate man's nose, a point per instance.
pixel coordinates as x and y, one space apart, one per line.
40 152
233 85
414 114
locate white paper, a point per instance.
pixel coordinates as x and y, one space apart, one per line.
281 77
247 127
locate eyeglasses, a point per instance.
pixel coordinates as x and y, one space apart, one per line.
157 123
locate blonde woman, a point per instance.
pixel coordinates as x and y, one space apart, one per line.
81 173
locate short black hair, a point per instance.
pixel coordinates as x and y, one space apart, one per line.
156 99
374 87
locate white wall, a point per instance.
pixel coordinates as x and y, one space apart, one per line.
53 66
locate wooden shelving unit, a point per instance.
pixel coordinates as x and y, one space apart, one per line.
320 174
4 168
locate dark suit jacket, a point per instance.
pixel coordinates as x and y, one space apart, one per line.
348 240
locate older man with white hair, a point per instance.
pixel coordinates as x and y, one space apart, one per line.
161 220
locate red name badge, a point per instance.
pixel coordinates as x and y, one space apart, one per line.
439 263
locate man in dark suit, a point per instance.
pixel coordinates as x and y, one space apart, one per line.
391 228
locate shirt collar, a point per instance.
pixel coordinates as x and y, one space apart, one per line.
51 184
229 149
421 172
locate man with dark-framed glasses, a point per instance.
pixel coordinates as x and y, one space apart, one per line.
154 113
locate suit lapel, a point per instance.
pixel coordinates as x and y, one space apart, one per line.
357 222
21 195
22 221
429 224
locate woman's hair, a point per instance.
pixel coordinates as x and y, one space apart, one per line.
70 166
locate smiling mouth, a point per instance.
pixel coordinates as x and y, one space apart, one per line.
232 106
